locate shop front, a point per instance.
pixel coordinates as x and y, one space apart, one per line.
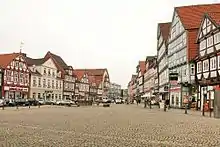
15 92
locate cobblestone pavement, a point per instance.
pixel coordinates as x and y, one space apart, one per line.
117 126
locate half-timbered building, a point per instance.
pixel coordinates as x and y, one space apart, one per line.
162 61
150 76
83 84
140 69
208 60
1 81
16 76
182 49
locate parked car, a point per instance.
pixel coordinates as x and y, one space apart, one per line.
41 101
118 101
20 101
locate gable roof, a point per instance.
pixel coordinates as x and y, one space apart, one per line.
31 61
79 73
215 16
58 59
6 59
95 72
164 29
191 16
141 65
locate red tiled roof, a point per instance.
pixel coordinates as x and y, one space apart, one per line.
6 59
191 16
215 16
142 67
79 73
95 72
165 28
98 80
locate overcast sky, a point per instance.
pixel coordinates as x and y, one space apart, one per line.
113 34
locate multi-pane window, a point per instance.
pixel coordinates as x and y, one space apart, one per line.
39 82
34 95
44 83
213 63
210 41
34 82
60 85
205 65
56 84
15 76
21 78
20 65
199 67
48 83
218 62
202 45
217 38
53 84
53 73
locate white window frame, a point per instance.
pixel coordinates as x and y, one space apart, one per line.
206 65
199 67
210 41
213 63
218 62
202 44
217 38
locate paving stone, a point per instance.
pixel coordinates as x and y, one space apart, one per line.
117 126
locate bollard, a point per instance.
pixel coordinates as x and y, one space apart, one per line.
29 106
3 107
203 110
185 108
17 106
165 107
38 105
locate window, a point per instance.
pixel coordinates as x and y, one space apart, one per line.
21 78
199 67
34 95
49 72
210 41
177 99
53 74
206 65
60 85
39 82
34 82
192 69
27 78
217 38
16 76
44 83
218 62
45 72
20 65
53 84
55 96
202 44
213 63
48 83
60 96
38 95
52 96
16 64
56 84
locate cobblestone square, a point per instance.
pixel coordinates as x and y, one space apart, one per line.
117 126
